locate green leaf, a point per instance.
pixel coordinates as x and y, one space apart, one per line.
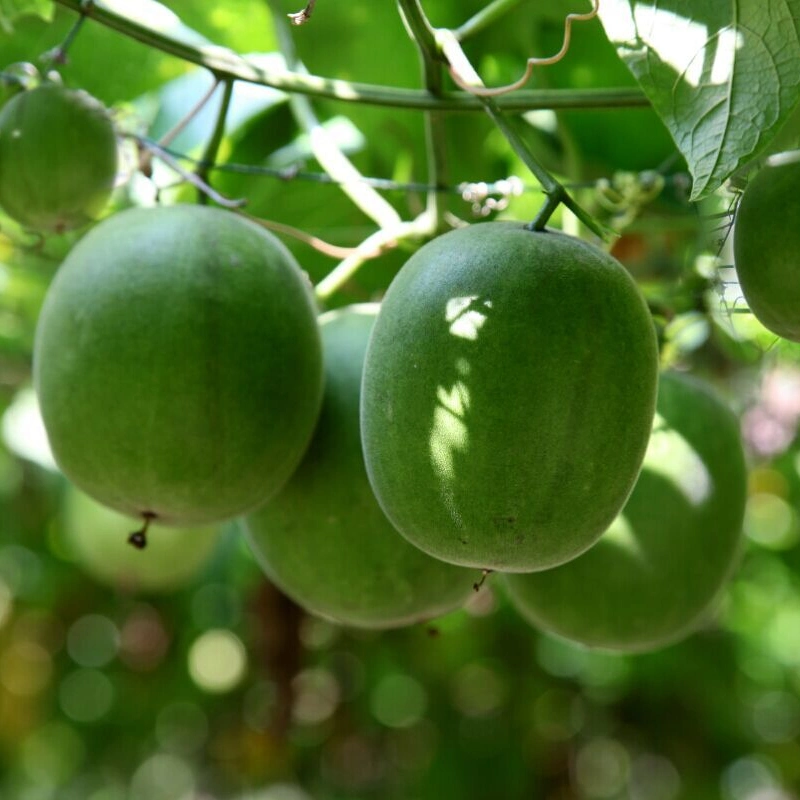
11 9
722 74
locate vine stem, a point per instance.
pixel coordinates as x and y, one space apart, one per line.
228 65
435 133
324 148
556 193
484 18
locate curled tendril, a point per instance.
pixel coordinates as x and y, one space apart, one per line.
483 91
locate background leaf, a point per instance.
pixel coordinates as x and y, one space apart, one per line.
11 9
723 76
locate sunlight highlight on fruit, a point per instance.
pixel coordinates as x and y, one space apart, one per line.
670 454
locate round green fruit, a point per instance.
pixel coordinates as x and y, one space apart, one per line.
654 574
178 364
766 244
323 539
508 396
58 158
97 538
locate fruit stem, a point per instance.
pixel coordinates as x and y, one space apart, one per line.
227 64
485 573
545 212
139 538
58 55
212 148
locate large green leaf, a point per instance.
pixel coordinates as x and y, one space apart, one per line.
722 74
11 9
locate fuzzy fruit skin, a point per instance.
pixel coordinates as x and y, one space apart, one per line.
97 538
58 158
178 365
766 243
508 396
324 539
653 576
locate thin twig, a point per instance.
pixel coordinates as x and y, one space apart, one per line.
320 245
145 157
372 247
190 177
167 139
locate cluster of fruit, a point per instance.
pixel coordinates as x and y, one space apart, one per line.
500 411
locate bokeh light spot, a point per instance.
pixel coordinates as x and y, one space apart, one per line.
398 701
317 694
182 727
93 641
217 661
25 668
162 777
558 714
52 754
770 521
478 691
602 767
86 695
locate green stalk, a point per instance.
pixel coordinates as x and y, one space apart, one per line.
228 65
212 148
435 131
484 18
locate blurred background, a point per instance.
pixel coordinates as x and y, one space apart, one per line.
194 678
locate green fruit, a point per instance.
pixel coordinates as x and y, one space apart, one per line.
323 539
766 243
98 540
58 158
178 364
508 396
653 575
